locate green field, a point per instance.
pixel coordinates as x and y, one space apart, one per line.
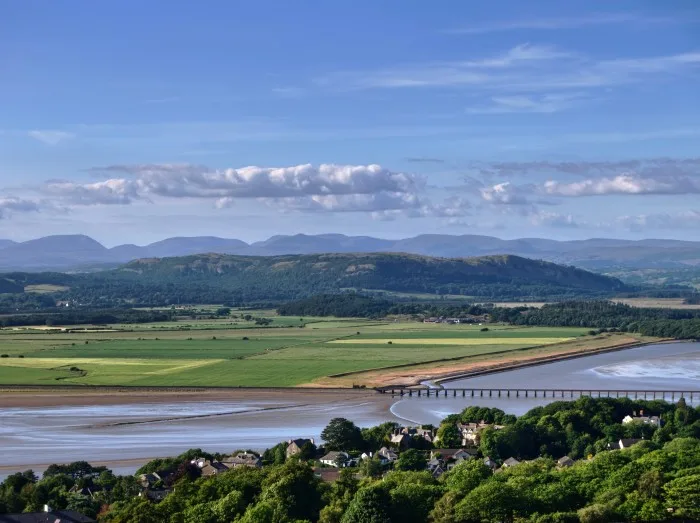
225 353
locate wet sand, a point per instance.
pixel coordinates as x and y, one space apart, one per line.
67 396
124 430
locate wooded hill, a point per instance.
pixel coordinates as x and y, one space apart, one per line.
219 278
286 277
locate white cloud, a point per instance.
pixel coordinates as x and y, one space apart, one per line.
108 192
50 137
506 193
180 181
624 184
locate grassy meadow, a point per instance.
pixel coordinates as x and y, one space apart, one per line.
237 353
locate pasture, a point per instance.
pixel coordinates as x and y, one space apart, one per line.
289 352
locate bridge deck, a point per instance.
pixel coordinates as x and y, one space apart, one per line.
541 393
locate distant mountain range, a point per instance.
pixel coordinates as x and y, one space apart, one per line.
78 252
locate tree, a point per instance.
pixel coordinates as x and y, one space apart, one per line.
223 311
411 459
370 505
371 468
342 434
467 475
683 495
307 451
449 436
492 501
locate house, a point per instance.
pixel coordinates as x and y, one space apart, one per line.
402 436
400 440
47 516
490 463
510 462
447 459
470 431
386 455
333 458
427 434
453 454
564 462
626 443
209 468
243 459
156 495
150 480
294 446
650 420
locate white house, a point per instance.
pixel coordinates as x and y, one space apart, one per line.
650 420
333 458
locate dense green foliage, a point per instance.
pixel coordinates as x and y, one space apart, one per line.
658 479
671 323
346 305
10 287
85 316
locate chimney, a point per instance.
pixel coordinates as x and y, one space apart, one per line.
47 508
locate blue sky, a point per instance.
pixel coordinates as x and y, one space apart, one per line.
133 121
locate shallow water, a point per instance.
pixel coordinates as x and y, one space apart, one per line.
669 366
109 433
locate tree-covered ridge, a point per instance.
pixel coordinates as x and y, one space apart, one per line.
656 479
241 280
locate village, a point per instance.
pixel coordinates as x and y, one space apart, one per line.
418 446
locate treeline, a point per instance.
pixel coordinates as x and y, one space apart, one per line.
85 316
657 479
671 323
354 305
594 314
349 305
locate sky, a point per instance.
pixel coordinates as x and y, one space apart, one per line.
134 121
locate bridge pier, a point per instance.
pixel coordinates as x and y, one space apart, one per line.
464 393
454 393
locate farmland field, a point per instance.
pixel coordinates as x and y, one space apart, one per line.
225 353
